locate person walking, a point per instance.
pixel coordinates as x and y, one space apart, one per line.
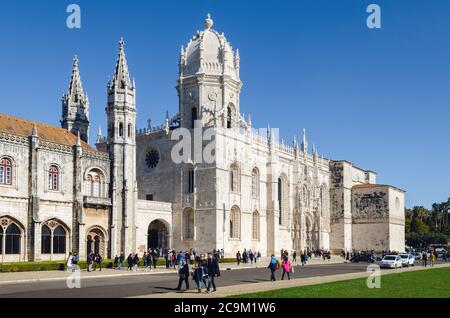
287 268
183 274
154 258
89 261
116 262
70 262
213 271
294 257
144 260
135 262
98 262
130 262
238 258
122 261
424 259
273 267
149 261
75 262
432 259
197 275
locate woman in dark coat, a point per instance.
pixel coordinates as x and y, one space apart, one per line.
213 271
183 274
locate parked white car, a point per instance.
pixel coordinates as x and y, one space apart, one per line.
407 259
391 261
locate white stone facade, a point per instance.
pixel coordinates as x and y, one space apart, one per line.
129 194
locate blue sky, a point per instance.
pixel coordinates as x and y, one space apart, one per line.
378 98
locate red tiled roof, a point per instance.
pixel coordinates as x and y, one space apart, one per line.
24 127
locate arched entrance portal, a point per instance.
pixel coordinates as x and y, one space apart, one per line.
96 242
158 235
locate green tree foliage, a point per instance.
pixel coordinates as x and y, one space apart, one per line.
424 226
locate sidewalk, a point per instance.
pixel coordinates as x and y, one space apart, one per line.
266 286
43 276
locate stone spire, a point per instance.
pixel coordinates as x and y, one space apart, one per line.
75 106
121 76
99 136
304 143
75 87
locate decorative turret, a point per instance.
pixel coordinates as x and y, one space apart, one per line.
75 106
304 144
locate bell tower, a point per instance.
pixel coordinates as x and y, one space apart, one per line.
209 84
121 139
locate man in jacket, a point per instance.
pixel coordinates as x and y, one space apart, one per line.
213 270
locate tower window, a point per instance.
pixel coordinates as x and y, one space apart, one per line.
130 127
194 116
121 130
191 181
149 197
229 117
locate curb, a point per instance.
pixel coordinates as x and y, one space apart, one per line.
48 279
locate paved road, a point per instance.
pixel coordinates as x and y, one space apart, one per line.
129 286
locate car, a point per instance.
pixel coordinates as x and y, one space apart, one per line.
362 257
417 255
391 261
407 259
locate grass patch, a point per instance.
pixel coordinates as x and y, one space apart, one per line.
433 283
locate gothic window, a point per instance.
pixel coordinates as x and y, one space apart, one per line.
89 183
283 197
5 171
188 220
234 178
255 225
59 240
193 117
53 238
12 239
255 183
53 178
235 223
191 176
280 199
121 130
46 240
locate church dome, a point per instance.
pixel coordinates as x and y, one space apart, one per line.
210 53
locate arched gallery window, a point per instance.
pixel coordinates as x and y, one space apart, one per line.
255 183
235 223
94 184
11 237
255 225
6 171
53 238
53 178
188 221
